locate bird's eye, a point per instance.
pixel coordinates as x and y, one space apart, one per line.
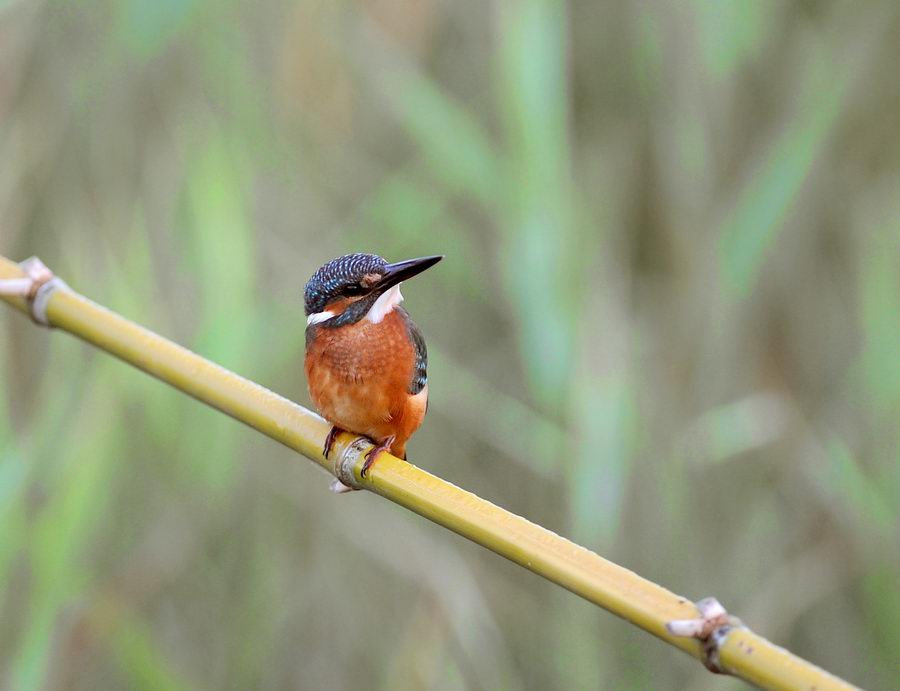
353 289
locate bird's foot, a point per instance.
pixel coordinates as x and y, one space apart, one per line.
373 454
329 440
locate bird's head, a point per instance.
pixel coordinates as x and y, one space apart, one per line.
354 286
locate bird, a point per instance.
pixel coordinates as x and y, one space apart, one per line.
366 362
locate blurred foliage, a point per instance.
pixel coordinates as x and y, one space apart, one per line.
668 325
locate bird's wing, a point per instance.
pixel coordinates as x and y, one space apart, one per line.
420 368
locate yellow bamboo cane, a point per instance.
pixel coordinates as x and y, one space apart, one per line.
732 648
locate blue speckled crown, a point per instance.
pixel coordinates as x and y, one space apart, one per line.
327 282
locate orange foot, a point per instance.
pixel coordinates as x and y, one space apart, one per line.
373 454
329 440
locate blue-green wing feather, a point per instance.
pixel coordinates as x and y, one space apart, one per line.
420 369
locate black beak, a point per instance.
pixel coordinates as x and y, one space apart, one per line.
400 271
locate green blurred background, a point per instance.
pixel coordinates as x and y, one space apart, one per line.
668 326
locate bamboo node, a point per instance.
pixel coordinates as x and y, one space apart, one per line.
36 287
711 628
345 463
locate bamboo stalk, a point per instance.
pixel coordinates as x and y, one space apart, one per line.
740 652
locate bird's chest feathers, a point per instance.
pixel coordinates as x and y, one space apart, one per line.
363 353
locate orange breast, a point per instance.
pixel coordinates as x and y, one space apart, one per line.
359 377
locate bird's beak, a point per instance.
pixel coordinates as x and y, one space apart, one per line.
400 271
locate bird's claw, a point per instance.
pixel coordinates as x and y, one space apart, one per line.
370 459
373 453
329 440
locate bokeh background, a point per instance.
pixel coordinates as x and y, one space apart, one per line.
668 326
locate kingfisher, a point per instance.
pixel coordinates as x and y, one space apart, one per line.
366 361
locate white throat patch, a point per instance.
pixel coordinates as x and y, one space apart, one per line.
317 317
384 304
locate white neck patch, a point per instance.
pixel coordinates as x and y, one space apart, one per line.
384 304
317 317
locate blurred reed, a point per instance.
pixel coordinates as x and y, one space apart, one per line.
673 243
